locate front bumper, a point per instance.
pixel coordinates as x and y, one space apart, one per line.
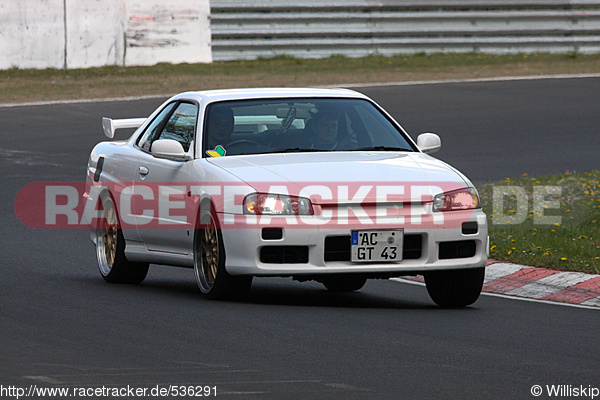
448 246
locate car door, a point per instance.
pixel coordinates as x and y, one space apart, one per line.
161 185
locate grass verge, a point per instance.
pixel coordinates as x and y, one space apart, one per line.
18 86
551 221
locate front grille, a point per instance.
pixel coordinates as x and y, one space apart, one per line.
284 254
412 247
337 248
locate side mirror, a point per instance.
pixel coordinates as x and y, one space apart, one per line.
429 142
169 149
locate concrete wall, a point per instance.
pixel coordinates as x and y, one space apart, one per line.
167 31
94 32
91 33
32 34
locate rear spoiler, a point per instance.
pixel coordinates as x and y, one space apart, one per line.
111 125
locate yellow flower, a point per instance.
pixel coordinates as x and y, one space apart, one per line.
563 259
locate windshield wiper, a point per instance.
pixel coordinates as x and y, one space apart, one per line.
290 150
383 148
296 150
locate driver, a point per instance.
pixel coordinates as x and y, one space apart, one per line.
324 127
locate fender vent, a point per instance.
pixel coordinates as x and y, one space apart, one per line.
99 167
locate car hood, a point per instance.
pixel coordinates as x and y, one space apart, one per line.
294 173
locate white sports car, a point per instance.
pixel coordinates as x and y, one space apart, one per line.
314 184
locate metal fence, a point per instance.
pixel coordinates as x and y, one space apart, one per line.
356 28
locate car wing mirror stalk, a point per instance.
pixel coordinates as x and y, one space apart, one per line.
429 142
169 149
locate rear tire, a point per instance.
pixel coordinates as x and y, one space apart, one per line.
347 283
455 288
110 249
209 261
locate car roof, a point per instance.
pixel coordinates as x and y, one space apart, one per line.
209 96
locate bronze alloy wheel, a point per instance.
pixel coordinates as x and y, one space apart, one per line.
110 249
207 254
209 261
106 248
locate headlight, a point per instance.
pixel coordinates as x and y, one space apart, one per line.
462 199
276 204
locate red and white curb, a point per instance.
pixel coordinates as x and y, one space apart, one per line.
541 284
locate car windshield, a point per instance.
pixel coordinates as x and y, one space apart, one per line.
298 125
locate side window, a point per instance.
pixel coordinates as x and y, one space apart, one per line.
180 126
153 130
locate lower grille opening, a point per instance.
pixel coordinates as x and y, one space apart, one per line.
284 254
457 249
469 228
412 247
337 248
272 233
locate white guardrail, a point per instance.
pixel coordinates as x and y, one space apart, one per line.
356 28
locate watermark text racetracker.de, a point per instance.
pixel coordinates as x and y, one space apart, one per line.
162 391
511 205
142 205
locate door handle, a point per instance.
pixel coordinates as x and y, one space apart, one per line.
143 170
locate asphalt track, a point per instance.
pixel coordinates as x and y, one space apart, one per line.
61 325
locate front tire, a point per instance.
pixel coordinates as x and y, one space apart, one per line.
455 288
209 261
110 249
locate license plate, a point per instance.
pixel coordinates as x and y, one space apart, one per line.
376 246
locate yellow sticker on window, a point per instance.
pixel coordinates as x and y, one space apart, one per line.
219 151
